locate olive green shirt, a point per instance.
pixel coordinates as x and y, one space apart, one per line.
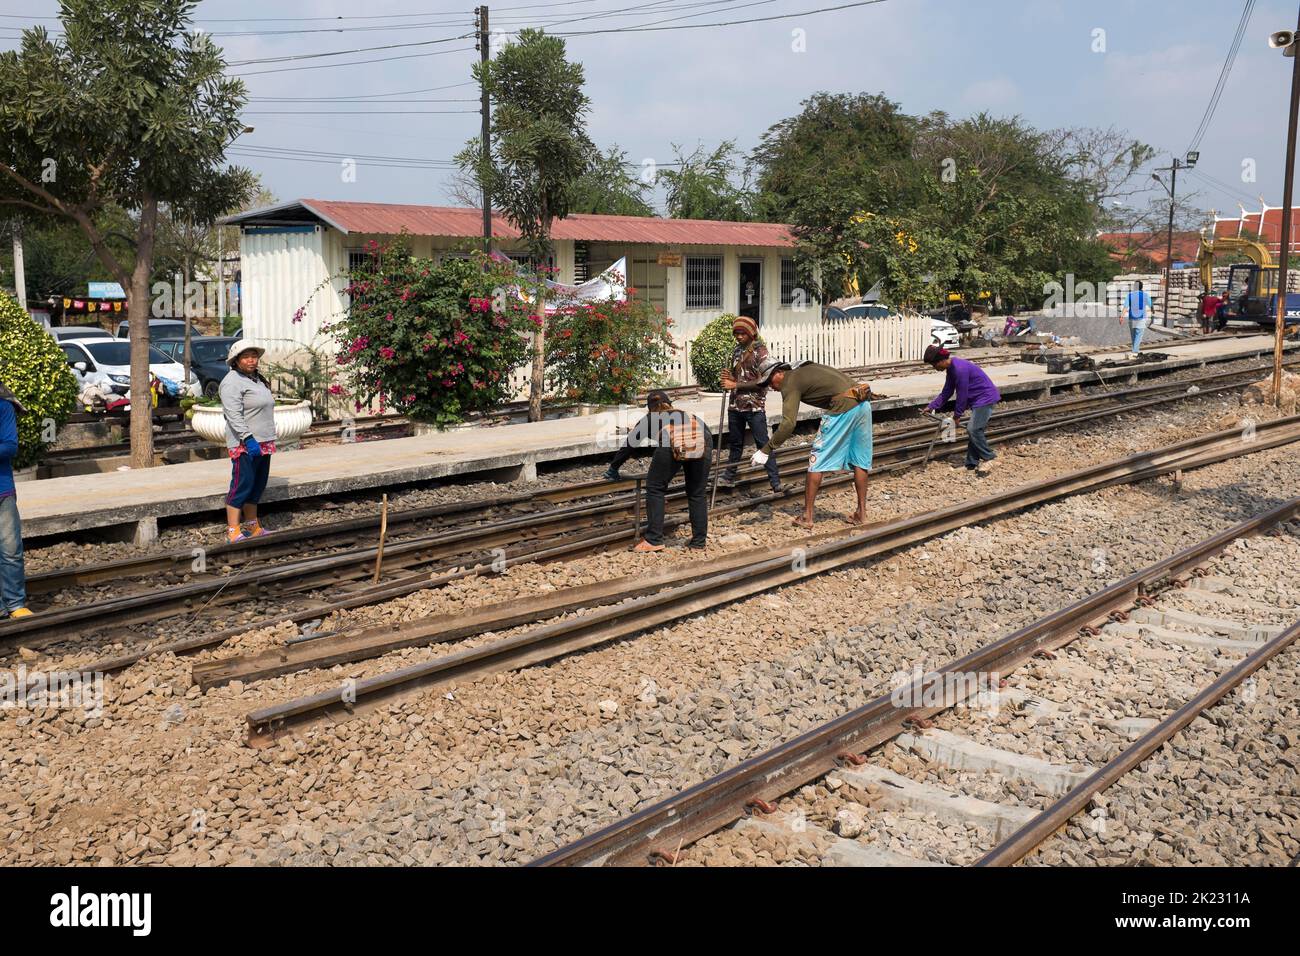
818 385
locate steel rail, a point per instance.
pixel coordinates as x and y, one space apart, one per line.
657 831
1030 836
335 569
640 614
345 531
601 542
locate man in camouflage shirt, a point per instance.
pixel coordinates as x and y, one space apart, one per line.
748 400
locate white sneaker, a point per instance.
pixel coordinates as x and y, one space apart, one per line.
983 468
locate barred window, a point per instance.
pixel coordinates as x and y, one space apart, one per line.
787 281
361 259
704 282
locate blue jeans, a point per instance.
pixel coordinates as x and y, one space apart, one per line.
1135 329
757 422
13 574
977 444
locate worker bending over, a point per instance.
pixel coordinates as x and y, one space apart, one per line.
680 440
844 439
974 391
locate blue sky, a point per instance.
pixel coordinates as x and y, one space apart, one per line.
1035 58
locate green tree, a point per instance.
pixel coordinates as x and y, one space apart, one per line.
540 150
703 186
129 106
57 259
856 146
610 188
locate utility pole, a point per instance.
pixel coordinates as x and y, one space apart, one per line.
20 276
1279 320
1172 190
484 51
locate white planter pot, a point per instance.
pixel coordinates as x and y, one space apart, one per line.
291 421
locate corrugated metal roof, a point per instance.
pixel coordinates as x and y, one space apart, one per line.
462 222
1152 245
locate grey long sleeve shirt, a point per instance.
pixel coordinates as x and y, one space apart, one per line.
249 408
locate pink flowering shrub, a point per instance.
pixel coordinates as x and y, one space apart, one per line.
606 351
435 342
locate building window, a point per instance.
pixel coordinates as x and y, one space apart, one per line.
787 282
704 282
360 259
581 262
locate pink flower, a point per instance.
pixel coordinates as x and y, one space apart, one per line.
386 352
298 316
336 389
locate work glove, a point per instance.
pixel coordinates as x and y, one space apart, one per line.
611 474
252 447
760 458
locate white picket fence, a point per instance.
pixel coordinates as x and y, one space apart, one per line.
840 344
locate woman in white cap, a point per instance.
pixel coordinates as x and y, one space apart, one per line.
249 407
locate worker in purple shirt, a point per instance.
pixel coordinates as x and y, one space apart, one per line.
13 576
975 391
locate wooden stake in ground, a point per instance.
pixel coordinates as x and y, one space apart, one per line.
383 531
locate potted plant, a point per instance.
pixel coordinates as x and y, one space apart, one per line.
292 419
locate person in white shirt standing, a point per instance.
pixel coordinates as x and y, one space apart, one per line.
1139 312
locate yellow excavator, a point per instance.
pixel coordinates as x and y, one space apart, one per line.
1252 286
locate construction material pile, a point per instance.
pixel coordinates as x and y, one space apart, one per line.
1261 393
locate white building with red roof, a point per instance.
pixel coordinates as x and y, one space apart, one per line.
693 269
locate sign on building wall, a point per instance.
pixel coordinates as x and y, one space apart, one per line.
105 290
670 258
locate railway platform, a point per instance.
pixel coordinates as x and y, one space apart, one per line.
129 503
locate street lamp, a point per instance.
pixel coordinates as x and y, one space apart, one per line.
1187 163
1286 41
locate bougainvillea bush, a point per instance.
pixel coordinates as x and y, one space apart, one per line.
35 369
432 341
605 351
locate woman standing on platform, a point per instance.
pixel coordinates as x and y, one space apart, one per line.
249 408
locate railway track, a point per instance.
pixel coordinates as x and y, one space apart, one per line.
438 516
438 544
442 543
936 758
620 609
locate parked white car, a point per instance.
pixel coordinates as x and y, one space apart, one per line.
67 333
941 332
112 357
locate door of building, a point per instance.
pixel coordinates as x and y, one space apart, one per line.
650 280
751 288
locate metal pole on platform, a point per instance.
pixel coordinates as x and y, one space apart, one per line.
1279 320
717 451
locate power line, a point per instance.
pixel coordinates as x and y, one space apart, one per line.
352 112
654 6
355 99
298 151
364 49
1215 96
651 28
360 96
378 59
